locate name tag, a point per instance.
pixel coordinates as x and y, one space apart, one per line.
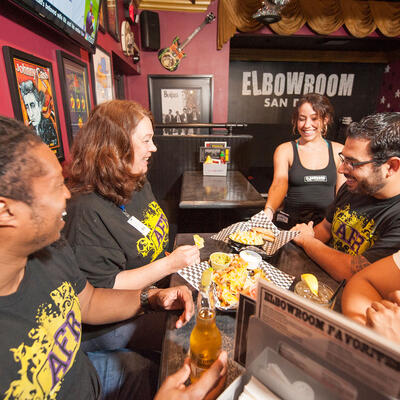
315 178
142 228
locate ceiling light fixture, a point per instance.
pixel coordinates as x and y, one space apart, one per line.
270 11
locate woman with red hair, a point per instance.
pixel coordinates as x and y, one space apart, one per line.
114 224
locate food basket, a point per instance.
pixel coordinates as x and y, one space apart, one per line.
192 274
258 220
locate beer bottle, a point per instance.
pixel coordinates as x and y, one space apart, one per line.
205 339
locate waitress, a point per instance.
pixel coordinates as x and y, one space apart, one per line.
305 170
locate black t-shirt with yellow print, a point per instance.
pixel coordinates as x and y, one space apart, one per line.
362 224
103 240
40 332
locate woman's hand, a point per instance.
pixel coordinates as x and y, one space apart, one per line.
183 256
173 298
268 211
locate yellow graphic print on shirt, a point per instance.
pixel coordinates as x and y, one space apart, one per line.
154 243
352 233
54 343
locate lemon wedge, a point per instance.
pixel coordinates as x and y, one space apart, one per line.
311 281
206 278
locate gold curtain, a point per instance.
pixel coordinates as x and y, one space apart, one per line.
323 16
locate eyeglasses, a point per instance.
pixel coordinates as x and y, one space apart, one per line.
353 164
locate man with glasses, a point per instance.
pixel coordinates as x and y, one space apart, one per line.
363 224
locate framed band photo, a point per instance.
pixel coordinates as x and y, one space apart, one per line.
181 99
112 19
74 81
102 81
33 96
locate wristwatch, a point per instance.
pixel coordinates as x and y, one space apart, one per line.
144 297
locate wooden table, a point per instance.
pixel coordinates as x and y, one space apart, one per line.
290 259
231 191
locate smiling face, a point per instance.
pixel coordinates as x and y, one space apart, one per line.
33 109
143 146
367 179
49 200
309 124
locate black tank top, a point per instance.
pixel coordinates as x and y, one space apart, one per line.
310 191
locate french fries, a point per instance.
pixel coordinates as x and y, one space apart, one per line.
247 237
198 241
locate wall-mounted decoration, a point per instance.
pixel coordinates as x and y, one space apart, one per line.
75 92
128 45
267 92
181 99
103 17
112 19
101 67
33 96
171 56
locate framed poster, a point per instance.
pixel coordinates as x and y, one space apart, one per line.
102 81
75 92
103 17
112 19
181 99
33 96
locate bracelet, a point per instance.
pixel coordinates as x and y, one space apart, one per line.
270 208
144 297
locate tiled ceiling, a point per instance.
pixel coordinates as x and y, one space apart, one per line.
175 5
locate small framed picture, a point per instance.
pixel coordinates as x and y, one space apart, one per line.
181 99
112 19
33 96
75 92
103 17
102 80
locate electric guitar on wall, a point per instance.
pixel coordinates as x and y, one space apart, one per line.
171 56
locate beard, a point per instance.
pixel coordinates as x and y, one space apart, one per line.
371 185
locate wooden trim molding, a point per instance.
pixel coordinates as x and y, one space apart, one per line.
311 55
175 5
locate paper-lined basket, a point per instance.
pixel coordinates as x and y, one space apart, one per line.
260 220
192 274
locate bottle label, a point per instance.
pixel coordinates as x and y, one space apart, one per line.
201 362
196 372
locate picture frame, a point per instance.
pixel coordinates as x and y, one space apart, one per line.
112 19
74 80
181 99
33 96
102 76
103 17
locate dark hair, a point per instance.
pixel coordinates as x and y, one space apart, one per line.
27 87
320 104
383 132
102 152
17 163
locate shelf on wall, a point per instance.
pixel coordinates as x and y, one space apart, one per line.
124 66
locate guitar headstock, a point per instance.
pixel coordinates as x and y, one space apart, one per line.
210 17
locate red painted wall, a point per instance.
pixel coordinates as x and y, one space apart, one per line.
202 57
20 30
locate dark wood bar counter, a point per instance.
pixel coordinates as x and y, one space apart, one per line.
231 191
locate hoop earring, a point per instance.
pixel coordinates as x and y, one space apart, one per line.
324 129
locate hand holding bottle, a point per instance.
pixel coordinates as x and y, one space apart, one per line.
208 387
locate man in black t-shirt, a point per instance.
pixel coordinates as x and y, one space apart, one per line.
363 223
44 299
